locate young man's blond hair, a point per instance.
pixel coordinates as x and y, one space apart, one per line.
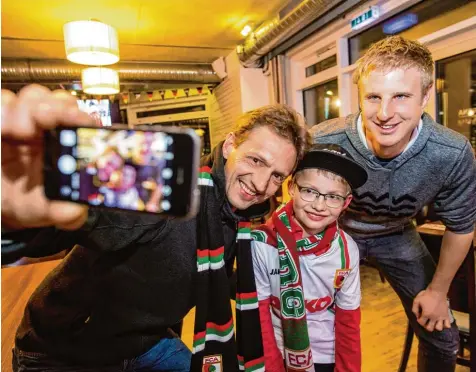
393 53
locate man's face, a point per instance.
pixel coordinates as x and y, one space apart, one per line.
392 104
257 167
315 216
107 164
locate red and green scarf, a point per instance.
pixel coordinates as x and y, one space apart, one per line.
215 347
278 231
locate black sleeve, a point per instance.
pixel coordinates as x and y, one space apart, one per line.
104 231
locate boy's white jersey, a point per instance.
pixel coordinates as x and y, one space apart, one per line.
329 279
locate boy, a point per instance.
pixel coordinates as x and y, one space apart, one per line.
307 269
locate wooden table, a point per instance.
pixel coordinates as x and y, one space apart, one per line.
18 283
436 228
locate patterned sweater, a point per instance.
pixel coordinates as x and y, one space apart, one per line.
439 169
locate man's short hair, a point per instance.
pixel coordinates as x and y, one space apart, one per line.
396 52
282 119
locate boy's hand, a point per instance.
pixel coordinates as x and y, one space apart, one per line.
24 117
431 310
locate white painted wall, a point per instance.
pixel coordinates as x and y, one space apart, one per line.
225 102
241 91
254 89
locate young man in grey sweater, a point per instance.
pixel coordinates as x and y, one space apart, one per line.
411 161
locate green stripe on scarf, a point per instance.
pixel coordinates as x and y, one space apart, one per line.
256 365
259 236
214 332
205 177
244 231
210 259
246 301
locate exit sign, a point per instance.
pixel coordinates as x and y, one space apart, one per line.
365 18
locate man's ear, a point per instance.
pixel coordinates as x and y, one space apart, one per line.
291 187
426 97
348 199
228 145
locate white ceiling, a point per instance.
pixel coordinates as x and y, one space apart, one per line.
149 30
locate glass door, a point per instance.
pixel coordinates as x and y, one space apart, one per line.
456 93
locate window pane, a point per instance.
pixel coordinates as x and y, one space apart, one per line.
321 65
415 22
321 103
456 93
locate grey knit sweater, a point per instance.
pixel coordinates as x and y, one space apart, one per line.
439 168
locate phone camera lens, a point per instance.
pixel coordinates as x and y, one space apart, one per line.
165 205
68 138
67 164
167 173
166 190
65 190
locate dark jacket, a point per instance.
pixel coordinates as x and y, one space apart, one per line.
128 278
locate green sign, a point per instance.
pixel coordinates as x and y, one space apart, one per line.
365 18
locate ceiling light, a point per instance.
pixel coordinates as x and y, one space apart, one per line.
73 92
91 43
100 80
246 30
329 93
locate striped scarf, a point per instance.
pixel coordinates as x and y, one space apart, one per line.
278 232
215 347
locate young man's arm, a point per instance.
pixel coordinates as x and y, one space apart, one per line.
456 207
348 356
430 306
272 356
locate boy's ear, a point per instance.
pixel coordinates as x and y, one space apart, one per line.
228 145
347 201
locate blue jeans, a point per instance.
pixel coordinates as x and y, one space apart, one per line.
409 268
169 354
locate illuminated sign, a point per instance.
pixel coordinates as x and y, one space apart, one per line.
365 18
400 23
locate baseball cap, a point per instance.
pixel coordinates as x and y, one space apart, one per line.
335 159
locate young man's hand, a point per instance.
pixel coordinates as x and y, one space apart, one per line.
431 310
24 117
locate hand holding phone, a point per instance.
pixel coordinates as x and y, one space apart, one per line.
24 118
152 171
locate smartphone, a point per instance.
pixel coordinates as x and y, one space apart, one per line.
141 170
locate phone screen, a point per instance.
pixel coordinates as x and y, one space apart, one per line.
122 169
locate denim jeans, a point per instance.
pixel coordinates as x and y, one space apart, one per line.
409 268
169 354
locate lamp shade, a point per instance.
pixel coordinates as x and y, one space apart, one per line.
91 43
100 81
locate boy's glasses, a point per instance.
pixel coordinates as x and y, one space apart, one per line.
310 195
